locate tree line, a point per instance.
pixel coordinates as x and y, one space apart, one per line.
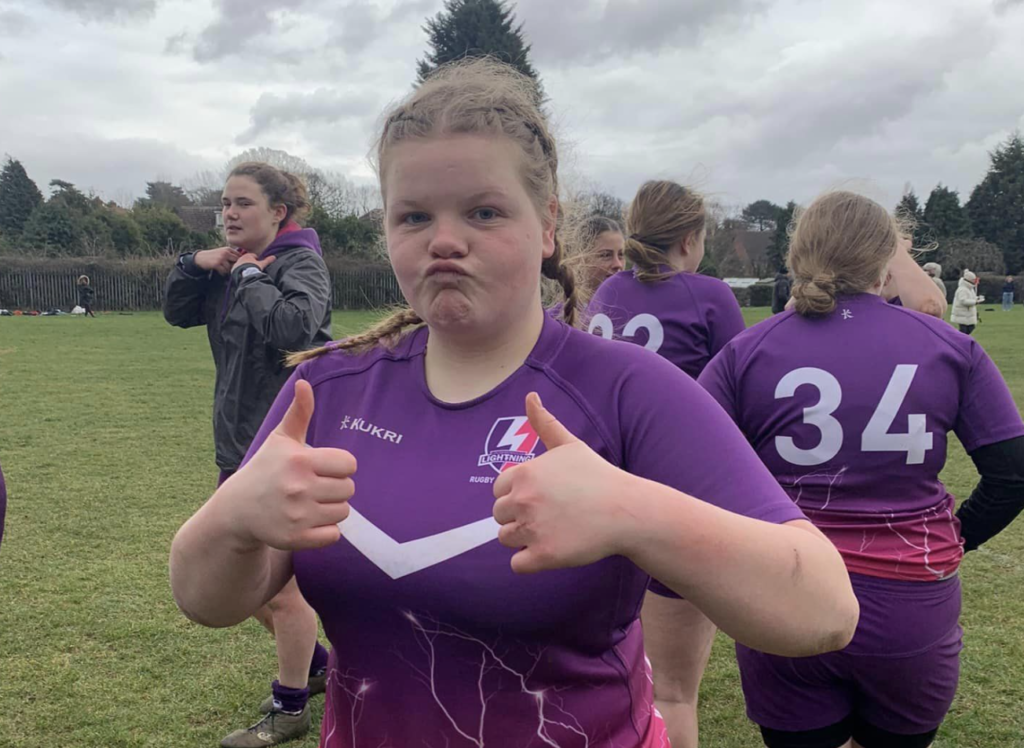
985 234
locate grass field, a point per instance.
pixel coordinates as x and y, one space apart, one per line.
105 441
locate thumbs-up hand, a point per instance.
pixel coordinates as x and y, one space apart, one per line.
563 508
291 496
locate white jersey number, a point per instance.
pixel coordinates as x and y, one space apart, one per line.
876 437
601 324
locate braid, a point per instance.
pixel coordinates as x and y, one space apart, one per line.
385 333
556 269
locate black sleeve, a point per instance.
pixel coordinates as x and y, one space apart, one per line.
185 293
999 495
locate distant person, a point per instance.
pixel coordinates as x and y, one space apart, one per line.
85 295
965 303
934 271
3 504
600 252
663 304
266 294
1008 290
780 294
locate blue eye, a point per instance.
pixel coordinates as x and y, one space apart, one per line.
415 218
486 214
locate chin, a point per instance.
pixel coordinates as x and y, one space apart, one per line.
450 311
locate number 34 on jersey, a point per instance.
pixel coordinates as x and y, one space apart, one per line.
915 441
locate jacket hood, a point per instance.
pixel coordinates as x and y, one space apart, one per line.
289 240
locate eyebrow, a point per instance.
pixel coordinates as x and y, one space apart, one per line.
476 197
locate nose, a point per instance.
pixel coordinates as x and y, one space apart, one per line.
618 265
447 240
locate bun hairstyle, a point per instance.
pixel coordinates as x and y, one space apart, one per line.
481 97
662 215
840 245
280 187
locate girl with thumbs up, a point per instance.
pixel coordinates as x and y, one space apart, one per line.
481 575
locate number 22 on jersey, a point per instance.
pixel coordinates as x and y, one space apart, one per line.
601 324
876 437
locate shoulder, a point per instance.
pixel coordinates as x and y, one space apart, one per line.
338 363
614 284
942 332
602 372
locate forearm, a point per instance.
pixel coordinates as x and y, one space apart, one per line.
218 580
286 323
916 290
782 589
999 496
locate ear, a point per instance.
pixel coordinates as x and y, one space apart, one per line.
279 212
549 220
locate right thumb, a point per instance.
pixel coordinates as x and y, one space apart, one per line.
296 419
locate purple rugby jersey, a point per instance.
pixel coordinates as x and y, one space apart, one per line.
851 413
686 318
435 641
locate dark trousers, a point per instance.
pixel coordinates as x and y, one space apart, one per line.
967 329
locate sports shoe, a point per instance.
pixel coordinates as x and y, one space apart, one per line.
316 684
275 728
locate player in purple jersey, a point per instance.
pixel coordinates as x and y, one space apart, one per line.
597 250
441 635
848 401
662 303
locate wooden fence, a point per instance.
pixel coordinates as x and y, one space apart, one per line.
142 288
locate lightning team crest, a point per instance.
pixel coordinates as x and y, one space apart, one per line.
511 442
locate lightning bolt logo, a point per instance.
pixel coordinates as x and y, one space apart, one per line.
516 445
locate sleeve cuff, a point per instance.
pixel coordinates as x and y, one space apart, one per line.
187 264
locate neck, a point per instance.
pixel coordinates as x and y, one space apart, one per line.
261 247
461 367
676 260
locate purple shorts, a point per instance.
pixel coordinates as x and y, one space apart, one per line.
899 673
224 475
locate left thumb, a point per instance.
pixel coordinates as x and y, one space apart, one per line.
550 431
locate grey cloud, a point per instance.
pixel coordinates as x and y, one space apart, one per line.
299 109
566 33
14 23
105 10
240 24
108 167
358 24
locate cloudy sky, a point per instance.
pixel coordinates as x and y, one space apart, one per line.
744 98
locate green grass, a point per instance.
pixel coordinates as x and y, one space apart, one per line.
105 441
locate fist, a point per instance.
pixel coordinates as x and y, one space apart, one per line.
564 508
219 260
291 496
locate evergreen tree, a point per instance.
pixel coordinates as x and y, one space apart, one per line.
780 242
909 209
763 214
944 214
996 206
161 194
477 28
19 196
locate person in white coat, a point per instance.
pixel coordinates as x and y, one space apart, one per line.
965 303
